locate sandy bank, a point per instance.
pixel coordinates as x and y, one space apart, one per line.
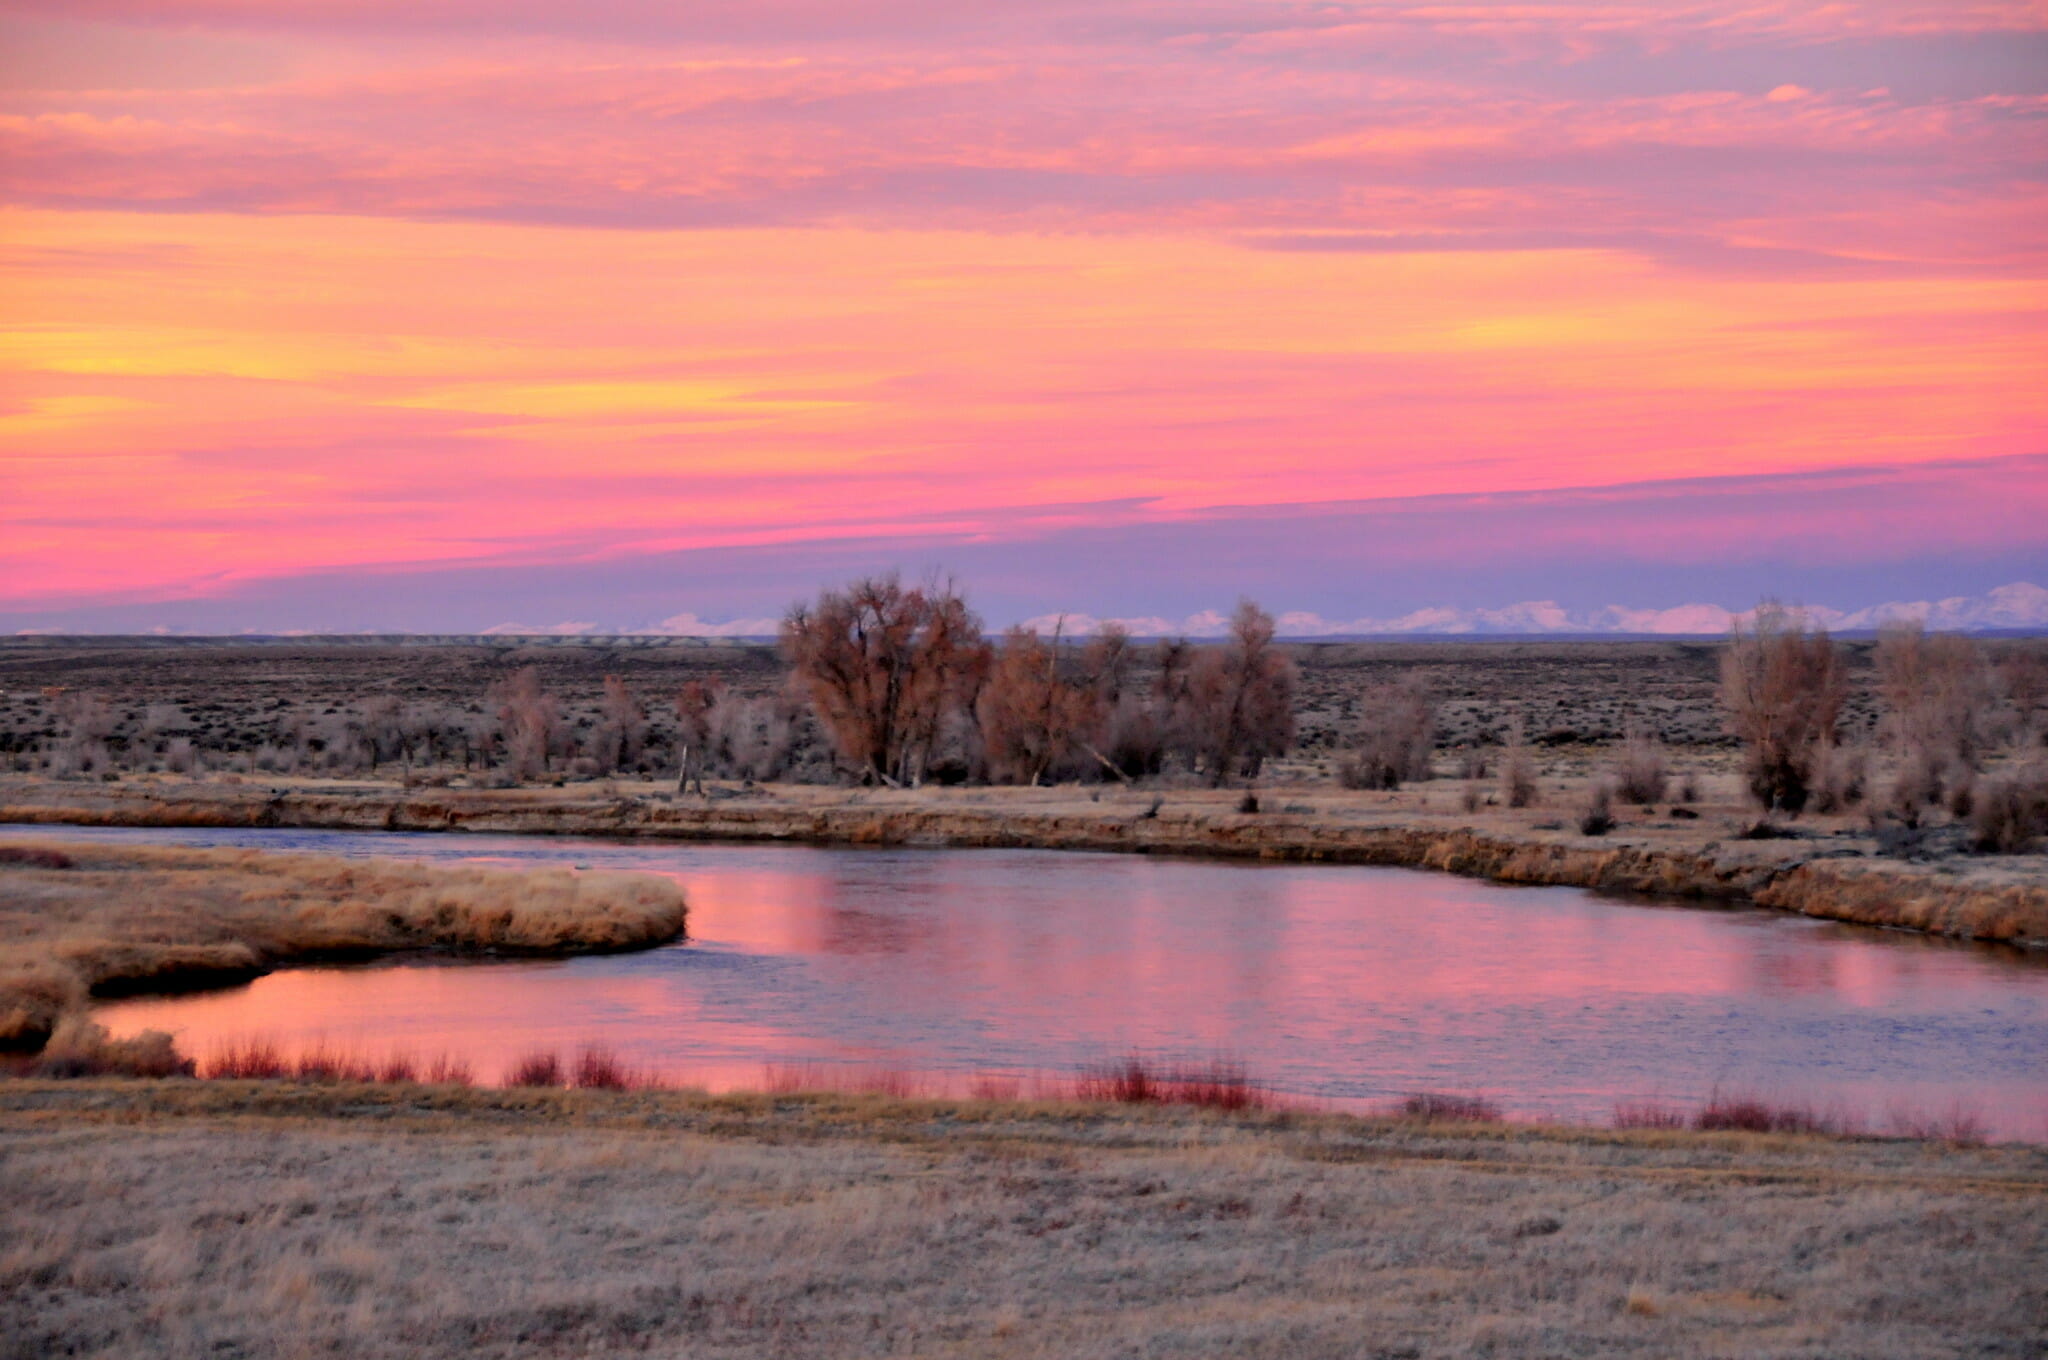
78 921
1832 871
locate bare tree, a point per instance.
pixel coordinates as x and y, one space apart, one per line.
621 733
693 730
1394 739
1783 686
1238 699
529 721
1939 707
751 738
1033 718
88 721
884 665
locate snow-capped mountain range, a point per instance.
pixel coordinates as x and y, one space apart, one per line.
2020 605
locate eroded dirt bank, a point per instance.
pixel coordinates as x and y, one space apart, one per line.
1829 871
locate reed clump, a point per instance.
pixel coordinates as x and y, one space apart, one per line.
117 920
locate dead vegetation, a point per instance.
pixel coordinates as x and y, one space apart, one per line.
109 920
1784 686
200 1219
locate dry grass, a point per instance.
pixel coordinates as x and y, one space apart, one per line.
124 919
203 1219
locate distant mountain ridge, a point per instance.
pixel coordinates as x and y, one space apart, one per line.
2019 606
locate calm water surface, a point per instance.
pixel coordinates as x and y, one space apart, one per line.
1342 984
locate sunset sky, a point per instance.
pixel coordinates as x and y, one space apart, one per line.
442 314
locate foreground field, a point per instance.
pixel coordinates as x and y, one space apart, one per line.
84 920
210 1219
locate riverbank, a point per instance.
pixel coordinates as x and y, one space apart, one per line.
82 921
1821 867
203 1218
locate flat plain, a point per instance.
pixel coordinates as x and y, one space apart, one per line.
209 1219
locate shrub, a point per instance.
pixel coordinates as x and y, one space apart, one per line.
537 1069
1220 1084
1394 739
1647 1114
253 1060
1841 777
36 857
319 1064
750 738
2010 815
1938 699
529 721
1597 818
1783 686
1642 776
80 1048
1518 769
597 1069
1750 1114
994 1087
1438 1107
449 1071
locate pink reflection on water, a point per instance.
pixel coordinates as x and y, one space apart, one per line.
1346 985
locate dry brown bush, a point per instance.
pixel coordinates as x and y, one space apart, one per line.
1783 687
1517 768
80 1048
529 724
1035 721
1237 705
2010 812
88 720
1642 775
1841 777
1394 738
621 734
750 738
1939 710
883 666
1597 817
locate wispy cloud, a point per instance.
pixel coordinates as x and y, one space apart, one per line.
367 286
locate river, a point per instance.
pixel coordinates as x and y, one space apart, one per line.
1342 985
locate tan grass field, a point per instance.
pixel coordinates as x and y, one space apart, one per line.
206 1219
83 920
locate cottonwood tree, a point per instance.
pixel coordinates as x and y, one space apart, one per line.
884 665
1394 739
1238 699
693 730
1783 686
1939 703
751 738
529 722
621 728
1033 718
